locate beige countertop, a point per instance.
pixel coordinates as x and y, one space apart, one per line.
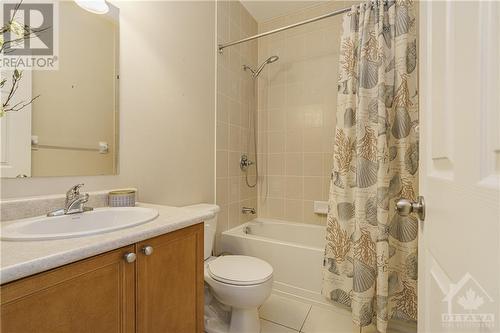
19 259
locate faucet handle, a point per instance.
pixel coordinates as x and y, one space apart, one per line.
73 192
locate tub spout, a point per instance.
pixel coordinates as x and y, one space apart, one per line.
248 210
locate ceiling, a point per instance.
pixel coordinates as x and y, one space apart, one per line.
263 10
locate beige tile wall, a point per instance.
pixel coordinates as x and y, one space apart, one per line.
297 103
235 102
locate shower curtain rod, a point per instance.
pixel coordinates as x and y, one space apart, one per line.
267 33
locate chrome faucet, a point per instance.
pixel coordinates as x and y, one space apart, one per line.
248 210
74 203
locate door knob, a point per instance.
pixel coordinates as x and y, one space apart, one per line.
405 207
130 257
147 250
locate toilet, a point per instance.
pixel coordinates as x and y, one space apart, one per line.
240 284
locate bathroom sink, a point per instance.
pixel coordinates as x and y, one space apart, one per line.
97 221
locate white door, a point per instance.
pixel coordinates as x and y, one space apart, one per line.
459 244
15 131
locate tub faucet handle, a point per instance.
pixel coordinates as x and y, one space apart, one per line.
245 163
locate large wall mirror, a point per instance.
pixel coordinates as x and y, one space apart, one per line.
71 128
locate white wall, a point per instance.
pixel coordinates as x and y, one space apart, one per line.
167 107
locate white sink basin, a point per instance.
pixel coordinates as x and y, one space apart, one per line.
97 221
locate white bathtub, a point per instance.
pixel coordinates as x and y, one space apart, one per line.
295 250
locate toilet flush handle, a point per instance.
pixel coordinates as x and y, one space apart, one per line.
147 250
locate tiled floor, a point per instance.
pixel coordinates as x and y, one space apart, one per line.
286 315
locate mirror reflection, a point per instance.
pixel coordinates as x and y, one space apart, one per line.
71 127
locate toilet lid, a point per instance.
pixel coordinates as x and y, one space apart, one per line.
240 270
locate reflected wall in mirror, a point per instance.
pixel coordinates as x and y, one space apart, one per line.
71 129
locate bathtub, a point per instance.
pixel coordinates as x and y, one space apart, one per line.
295 250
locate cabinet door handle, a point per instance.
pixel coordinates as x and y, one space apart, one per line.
130 257
147 250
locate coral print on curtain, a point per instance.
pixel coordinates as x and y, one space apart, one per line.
371 253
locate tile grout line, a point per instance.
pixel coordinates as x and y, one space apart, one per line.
293 329
307 315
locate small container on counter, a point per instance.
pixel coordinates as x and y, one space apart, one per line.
121 198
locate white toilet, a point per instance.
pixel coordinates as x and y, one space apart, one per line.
242 283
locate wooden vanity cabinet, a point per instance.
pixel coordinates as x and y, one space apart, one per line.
170 283
160 291
93 295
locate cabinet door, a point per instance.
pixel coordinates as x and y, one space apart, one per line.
92 295
170 283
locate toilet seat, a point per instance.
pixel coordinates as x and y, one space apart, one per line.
239 270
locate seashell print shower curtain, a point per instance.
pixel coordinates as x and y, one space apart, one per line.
370 260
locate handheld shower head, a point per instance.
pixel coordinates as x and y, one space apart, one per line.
272 59
269 60
255 73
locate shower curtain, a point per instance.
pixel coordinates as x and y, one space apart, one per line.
370 260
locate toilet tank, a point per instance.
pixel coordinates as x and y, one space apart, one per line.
210 225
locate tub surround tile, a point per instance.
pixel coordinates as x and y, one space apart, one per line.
276 186
313 164
313 188
294 187
14 209
275 208
24 258
221 193
276 119
235 104
294 210
247 193
234 164
293 141
222 135
276 164
276 142
310 216
313 139
222 165
234 189
234 215
222 109
234 138
301 85
293 164
285 311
